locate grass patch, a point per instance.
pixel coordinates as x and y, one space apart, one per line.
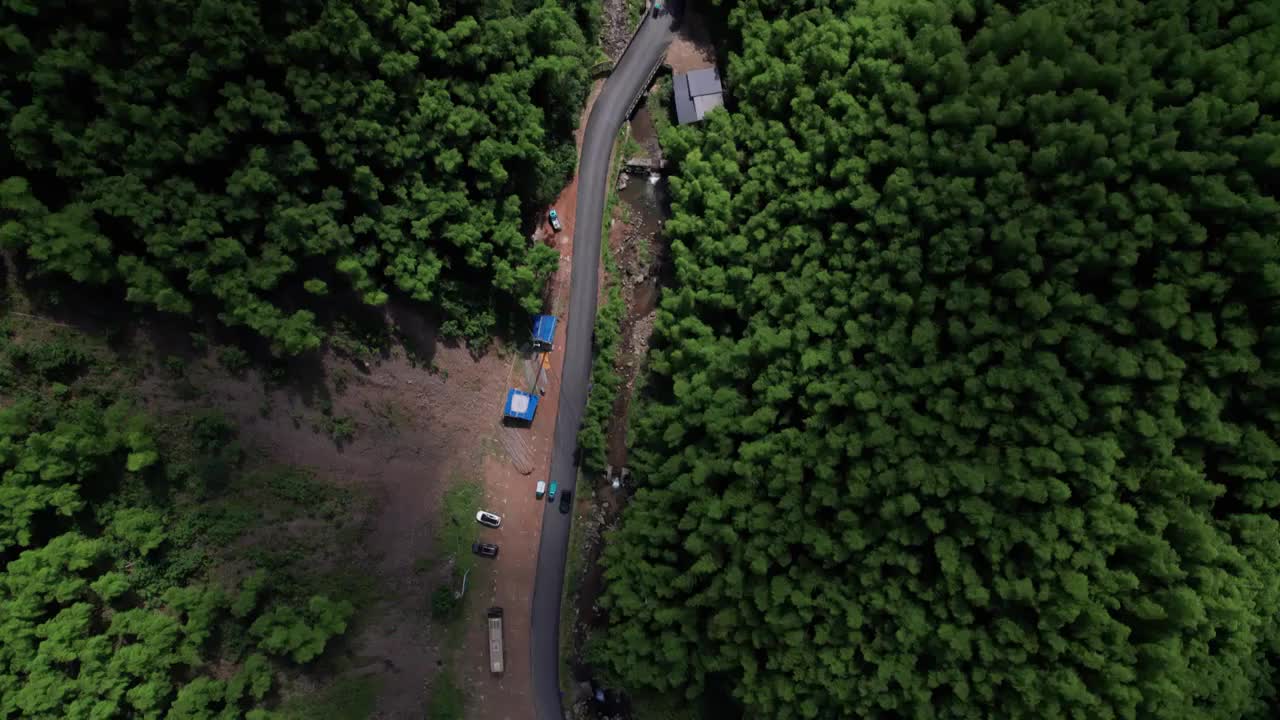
350 698
448 701
576 561
458 528
39 356
631 148
605 380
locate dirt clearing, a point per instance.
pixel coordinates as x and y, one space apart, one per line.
397 434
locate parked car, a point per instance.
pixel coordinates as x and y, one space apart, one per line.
555 221
485 517
551 494
566 500
540 489
488 550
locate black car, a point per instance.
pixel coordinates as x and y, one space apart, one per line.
485 550
566 500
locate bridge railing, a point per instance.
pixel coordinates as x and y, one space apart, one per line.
605 68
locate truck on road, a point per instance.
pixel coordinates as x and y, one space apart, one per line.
495 640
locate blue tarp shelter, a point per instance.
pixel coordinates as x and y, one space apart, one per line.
520 405
544 331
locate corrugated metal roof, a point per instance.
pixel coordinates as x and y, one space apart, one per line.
704 82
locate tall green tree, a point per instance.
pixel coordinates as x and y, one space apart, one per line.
965 400
243 155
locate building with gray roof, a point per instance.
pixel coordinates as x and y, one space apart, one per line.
696 94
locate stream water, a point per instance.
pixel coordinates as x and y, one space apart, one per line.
642 269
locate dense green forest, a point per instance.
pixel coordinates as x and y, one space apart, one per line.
966 399
249 158
131 586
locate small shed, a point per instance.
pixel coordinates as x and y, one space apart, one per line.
520 405
544 331
697 93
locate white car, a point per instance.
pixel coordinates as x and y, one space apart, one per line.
540 489
489 519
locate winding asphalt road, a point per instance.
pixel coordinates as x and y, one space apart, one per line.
622 87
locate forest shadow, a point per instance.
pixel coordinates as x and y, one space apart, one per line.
354 333
417 330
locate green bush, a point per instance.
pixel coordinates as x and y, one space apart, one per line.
605 382
447 700
235 360
443 603
342 429
56 359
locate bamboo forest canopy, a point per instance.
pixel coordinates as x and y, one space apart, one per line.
248 156
966 400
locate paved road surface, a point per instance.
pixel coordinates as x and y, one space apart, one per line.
593 176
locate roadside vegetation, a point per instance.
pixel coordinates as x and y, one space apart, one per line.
659 104
593 436
965 397
276 164
448 701
575 567
635 12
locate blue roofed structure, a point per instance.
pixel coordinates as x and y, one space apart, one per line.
544 331
520 405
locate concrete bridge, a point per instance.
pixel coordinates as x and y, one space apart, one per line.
644 166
